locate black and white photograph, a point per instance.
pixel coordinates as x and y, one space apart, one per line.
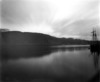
49 41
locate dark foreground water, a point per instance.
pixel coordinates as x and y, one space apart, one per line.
56 64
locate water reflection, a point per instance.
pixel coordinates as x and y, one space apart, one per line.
53 64
69 48
95 52
96 60
24 51
29 51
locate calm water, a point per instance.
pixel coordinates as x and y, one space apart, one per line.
57 64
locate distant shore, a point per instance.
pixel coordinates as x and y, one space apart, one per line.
72 46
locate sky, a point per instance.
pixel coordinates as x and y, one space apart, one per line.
60 18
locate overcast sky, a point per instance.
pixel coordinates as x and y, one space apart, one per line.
61 18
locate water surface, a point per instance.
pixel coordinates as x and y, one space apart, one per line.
56 64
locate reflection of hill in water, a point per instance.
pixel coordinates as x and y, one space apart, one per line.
28 51
24 51
27 69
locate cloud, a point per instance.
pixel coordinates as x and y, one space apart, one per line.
55 17
23 11
27 15
79 28
81 23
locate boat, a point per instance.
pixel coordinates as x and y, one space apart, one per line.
95 43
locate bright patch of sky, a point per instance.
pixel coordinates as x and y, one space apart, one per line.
61 18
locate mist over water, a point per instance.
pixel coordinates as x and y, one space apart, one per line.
62 64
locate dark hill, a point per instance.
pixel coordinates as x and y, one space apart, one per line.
15 37
17 44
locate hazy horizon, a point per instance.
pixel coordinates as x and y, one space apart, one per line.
60 18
